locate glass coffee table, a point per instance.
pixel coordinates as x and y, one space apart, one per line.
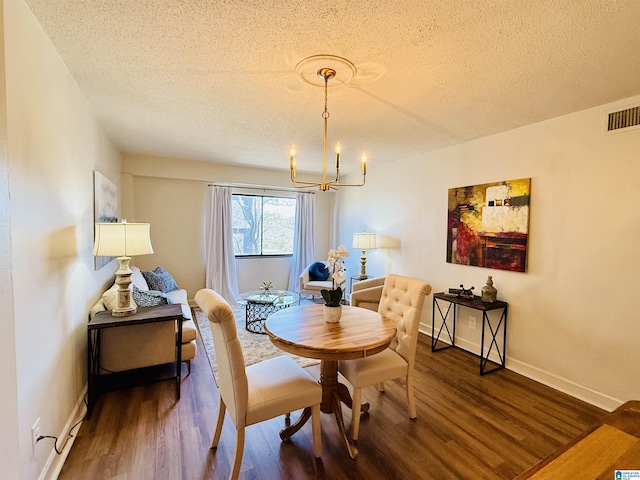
260 305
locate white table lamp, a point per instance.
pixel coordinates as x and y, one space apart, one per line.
122 240
364 241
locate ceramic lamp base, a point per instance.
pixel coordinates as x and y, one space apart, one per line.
123 280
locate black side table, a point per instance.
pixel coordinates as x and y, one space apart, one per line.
102 320
476 304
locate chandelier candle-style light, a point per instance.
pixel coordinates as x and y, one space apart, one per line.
325 74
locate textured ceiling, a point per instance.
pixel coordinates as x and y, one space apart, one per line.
216 80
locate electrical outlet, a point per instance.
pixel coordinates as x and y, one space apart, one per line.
472 322
35 432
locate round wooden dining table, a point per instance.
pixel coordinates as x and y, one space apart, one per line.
302 331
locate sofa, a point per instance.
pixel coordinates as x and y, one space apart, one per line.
138 346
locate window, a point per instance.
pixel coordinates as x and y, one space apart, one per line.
263 225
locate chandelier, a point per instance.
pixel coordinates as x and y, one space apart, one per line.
325 74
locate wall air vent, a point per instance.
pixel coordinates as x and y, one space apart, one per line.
623 119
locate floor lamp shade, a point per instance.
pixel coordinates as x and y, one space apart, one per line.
364 241
123 240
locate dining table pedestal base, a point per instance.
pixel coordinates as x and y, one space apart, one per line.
334 394
302 331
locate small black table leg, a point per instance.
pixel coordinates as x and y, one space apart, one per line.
178 357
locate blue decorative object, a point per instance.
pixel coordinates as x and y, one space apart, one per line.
161 280
318 271
148 298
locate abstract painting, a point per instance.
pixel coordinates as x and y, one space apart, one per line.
488 225
105 204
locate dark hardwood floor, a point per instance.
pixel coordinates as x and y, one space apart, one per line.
468 427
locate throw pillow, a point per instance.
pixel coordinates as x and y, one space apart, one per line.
110 298
148 298
318 271
160 279
138 279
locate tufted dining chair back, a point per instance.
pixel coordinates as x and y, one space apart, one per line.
232 377
258 392
401 301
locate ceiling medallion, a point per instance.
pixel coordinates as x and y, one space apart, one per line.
307 69
340 71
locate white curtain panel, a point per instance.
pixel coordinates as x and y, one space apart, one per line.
221 274
304 241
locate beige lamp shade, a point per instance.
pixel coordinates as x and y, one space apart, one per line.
122 239
364 241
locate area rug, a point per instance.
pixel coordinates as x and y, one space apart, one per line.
256 347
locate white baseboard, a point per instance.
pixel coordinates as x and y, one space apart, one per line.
55 462
564 385
549 379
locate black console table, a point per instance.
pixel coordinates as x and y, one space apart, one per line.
476 304
102 320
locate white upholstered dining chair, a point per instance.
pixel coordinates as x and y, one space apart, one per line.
258 392
401 301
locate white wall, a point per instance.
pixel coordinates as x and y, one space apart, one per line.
171 193
54 146
573 322
8 380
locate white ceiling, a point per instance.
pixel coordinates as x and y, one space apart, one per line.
216 80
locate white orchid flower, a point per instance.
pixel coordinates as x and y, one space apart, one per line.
335 258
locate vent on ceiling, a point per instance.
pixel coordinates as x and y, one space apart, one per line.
623 119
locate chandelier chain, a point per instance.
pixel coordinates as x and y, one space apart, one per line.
325 114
